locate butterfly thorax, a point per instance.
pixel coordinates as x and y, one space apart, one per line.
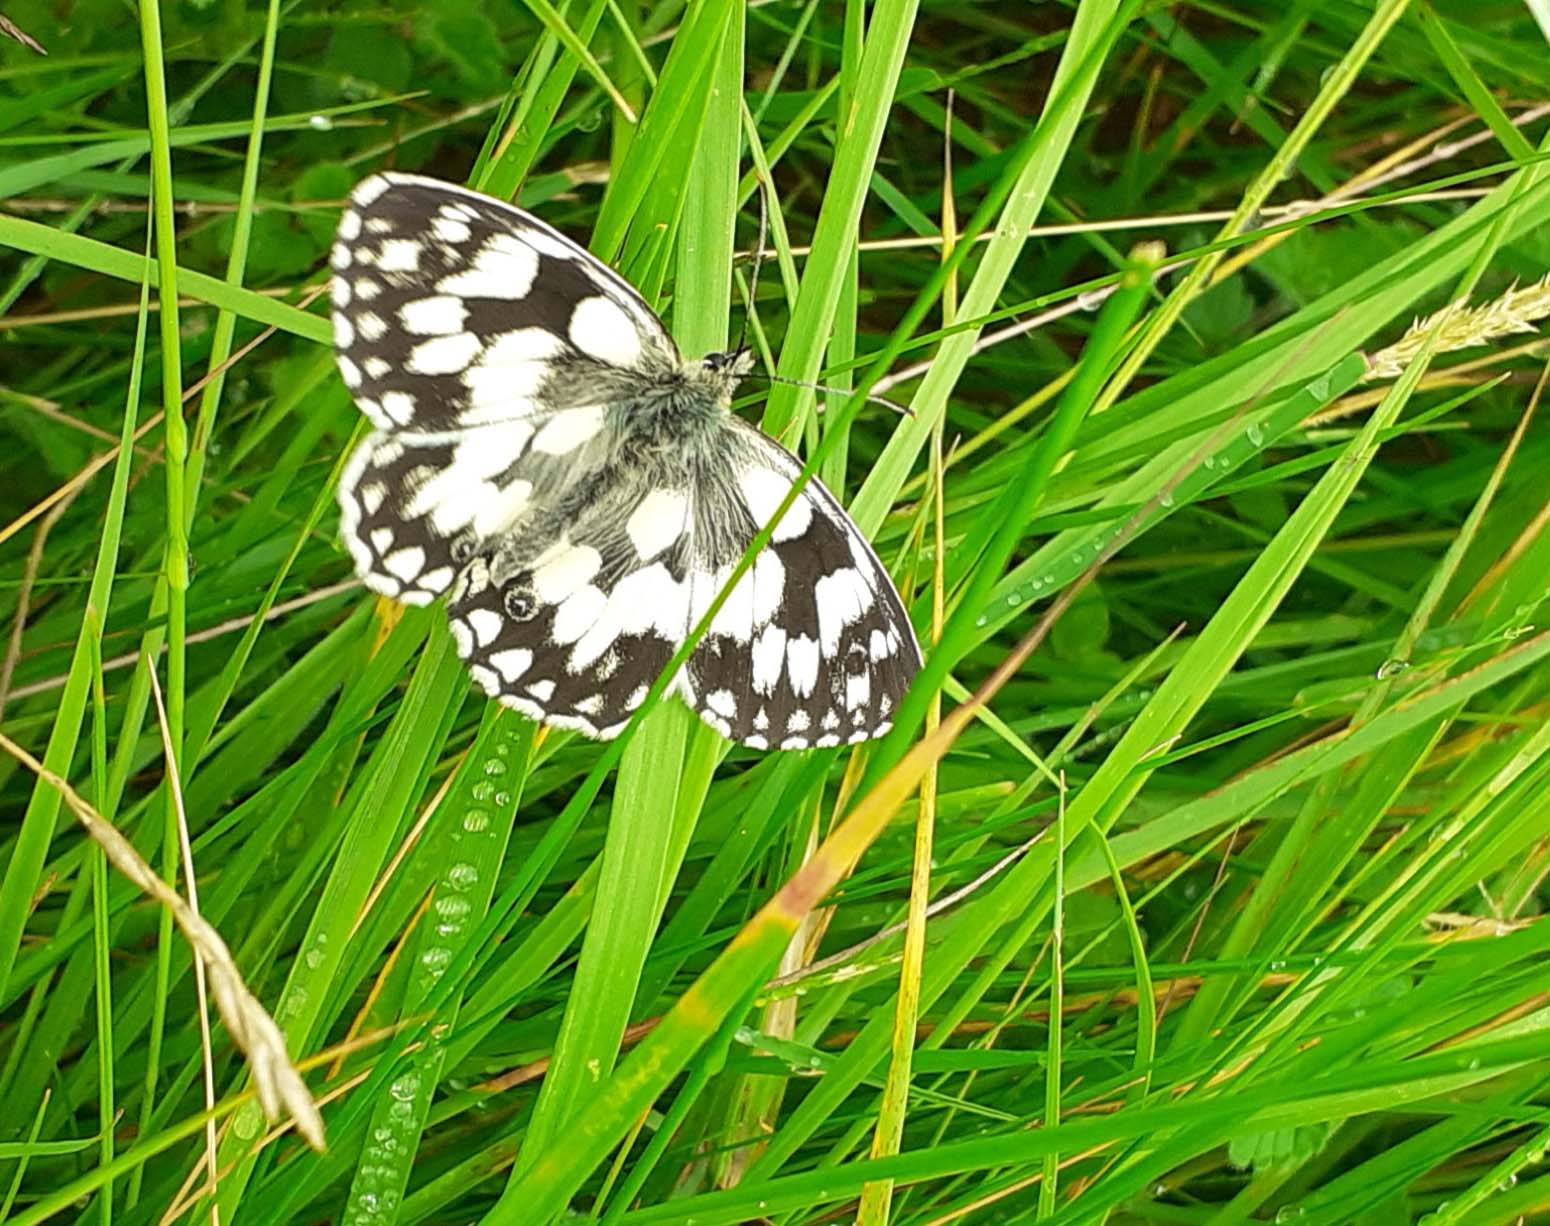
674 415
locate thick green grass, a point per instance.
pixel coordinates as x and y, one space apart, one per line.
1203 878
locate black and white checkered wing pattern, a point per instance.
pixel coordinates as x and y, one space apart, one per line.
572 619
453 316
813 647
451 309
412 511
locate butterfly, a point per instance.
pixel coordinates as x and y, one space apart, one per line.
580 492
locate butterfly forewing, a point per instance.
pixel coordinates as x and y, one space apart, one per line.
452 310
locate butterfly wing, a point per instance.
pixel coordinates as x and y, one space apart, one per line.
471 334
453 310
411 513
571 619
813 646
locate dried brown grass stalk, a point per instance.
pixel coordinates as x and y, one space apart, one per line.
280 1087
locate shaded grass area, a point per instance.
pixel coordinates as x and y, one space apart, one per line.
1224 904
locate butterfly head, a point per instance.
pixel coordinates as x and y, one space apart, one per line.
729 368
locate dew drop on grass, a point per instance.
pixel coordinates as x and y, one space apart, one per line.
462 876
476 820
494 767
320 123
1256 433
405 1087
436 958
247 1122
1392 668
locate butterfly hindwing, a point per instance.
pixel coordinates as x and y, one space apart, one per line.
571 619
813 646
453 310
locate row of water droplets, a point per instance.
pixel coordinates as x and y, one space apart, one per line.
382 1172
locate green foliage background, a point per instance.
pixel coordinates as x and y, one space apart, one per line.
1237 884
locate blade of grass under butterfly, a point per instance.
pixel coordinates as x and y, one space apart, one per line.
647 830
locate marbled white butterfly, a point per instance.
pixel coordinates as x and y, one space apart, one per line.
545 455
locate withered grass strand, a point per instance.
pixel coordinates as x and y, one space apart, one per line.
280 1087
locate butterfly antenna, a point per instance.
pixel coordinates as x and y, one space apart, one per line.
900 409
758 263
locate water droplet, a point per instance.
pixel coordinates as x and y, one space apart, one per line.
502 799
247 1122
313 959
1392 668
1256 433
1166 500
494 766
1288 1213
1277 965
462 876
475 820
405 1087
482 790
436 958
320 123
